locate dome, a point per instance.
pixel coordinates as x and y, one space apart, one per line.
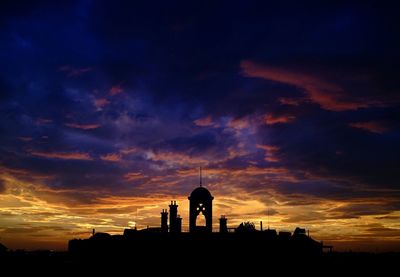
200 193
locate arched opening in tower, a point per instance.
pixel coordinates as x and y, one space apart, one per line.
201 220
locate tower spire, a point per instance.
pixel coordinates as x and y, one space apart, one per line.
201 179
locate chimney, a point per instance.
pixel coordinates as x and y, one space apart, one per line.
178 224
164 221
261 227
223 225
173 214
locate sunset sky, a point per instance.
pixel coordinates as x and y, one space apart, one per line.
109 108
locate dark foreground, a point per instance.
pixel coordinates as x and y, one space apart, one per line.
194 262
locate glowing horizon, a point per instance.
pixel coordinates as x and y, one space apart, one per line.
109 110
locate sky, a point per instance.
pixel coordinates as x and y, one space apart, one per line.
109 108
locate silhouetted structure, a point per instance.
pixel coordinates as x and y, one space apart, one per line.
200 239
223 224
175 222
178 224
246 227
200 204
3 249
164 221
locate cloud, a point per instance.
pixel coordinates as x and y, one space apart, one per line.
384 232
290 101
377 127
74 71
268 148
121 210
130 150
116 90
25 139
111 157
173 159
275 119
239 123
330 96
366 207
204 121
43 121
63 155
270 152
82 126
133 176
181 111
390 217
2 186
100 103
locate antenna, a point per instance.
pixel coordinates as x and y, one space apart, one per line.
268 217
201 181
136 220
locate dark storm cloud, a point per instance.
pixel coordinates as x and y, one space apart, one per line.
2 186
357 210
327 147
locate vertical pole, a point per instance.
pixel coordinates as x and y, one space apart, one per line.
201 181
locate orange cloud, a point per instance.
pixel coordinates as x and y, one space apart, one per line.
272 159
112 157
204 121
132 176
116 90
269 148
328 95
271 151
271 119
74 71
101 103
240 123
82 126
370 126
129 150
63 155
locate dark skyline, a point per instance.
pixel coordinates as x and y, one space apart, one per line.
109 108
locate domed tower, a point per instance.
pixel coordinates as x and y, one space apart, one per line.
200 203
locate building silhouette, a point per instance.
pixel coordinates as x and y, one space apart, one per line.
200 205
199 239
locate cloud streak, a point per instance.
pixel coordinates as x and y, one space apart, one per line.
275 119
82 126
111 157
328 95
204 121
370 126
114 90
62 155
71 71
